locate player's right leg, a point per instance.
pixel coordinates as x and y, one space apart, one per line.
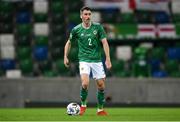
84 72
84 92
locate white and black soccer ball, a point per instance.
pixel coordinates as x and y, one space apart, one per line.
73 109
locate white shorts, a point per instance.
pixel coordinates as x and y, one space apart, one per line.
97 69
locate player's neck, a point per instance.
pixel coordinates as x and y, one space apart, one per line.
86 25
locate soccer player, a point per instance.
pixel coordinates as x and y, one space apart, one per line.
89 36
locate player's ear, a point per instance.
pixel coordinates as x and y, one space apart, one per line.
81 16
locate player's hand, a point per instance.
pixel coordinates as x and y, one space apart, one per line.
66 62
108 64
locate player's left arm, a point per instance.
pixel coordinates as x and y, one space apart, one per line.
107 54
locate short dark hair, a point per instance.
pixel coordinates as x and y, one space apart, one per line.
85 8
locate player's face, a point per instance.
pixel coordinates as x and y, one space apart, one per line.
86 16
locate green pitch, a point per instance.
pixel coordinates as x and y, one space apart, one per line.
115 114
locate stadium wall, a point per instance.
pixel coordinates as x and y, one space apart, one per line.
20 92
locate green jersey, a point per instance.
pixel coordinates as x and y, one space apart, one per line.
89 41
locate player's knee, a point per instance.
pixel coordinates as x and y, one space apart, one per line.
101 86
85 85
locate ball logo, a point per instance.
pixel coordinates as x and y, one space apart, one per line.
73 109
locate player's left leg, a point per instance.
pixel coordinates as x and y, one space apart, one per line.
99 76
101 96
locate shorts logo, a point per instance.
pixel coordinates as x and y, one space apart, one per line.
82 68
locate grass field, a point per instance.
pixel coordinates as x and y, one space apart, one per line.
115 114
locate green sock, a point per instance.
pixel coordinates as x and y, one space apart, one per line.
83 94
101 100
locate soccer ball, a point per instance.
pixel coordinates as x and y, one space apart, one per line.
73 109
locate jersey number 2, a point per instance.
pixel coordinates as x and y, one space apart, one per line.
90 41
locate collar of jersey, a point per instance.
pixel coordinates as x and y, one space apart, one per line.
86 27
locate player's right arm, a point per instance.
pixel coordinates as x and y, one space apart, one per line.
67 48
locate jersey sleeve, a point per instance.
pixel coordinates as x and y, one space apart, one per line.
102 33
72 35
